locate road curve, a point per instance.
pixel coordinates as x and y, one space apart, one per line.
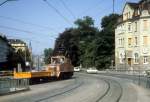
62 91
81 88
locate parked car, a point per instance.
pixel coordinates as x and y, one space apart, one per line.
76 69
92 70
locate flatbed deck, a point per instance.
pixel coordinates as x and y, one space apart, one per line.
32 74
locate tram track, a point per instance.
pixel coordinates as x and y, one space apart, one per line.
82 88
114 90
111 95
63 90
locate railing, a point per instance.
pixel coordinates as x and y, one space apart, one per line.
140 77
8 85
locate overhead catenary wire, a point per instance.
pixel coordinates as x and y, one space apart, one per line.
3 2
89 9
21 30
68 9
29 23
25 38
57 11
109 7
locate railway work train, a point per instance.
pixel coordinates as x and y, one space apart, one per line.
60 67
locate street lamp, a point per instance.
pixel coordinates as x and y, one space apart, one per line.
6 2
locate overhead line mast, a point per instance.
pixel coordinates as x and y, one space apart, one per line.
113 6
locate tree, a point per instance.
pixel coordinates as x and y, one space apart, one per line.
75 41
47 55
67 45
88 46
105 42
86 22
87 33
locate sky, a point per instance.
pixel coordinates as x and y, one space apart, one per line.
41 22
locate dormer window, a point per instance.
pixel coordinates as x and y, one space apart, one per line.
129 15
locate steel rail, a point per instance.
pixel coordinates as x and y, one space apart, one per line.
105 93
108 90
78 84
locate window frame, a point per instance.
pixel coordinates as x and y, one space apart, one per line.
145 59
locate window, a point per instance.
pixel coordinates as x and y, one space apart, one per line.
121 41
129 15
136 41
145 40
129 27
129 41
135 26
145 59
136 58
121 58
145 26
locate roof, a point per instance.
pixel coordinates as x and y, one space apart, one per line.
16 41
133 5
138 8
144 1
3 38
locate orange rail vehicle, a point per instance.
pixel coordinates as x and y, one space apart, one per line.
60 67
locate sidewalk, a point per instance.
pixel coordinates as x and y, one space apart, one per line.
125 72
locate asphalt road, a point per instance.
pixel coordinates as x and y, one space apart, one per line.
83 88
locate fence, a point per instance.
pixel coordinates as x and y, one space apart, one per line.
8 85
140 77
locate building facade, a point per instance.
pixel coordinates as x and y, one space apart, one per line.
5 49
17 44
24 54
132 37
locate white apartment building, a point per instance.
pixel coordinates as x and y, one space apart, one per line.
132 37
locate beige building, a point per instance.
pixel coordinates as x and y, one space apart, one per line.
132 37
17 44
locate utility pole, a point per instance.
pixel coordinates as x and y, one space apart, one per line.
30 51
113 6
25 55
38 62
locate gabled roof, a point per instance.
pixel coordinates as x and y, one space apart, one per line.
144 1
3 38
138 8
133 5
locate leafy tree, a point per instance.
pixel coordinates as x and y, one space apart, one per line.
86 45
47 55
86 22
87 33
67 45
105 42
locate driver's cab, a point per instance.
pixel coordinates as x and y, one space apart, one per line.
58 60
